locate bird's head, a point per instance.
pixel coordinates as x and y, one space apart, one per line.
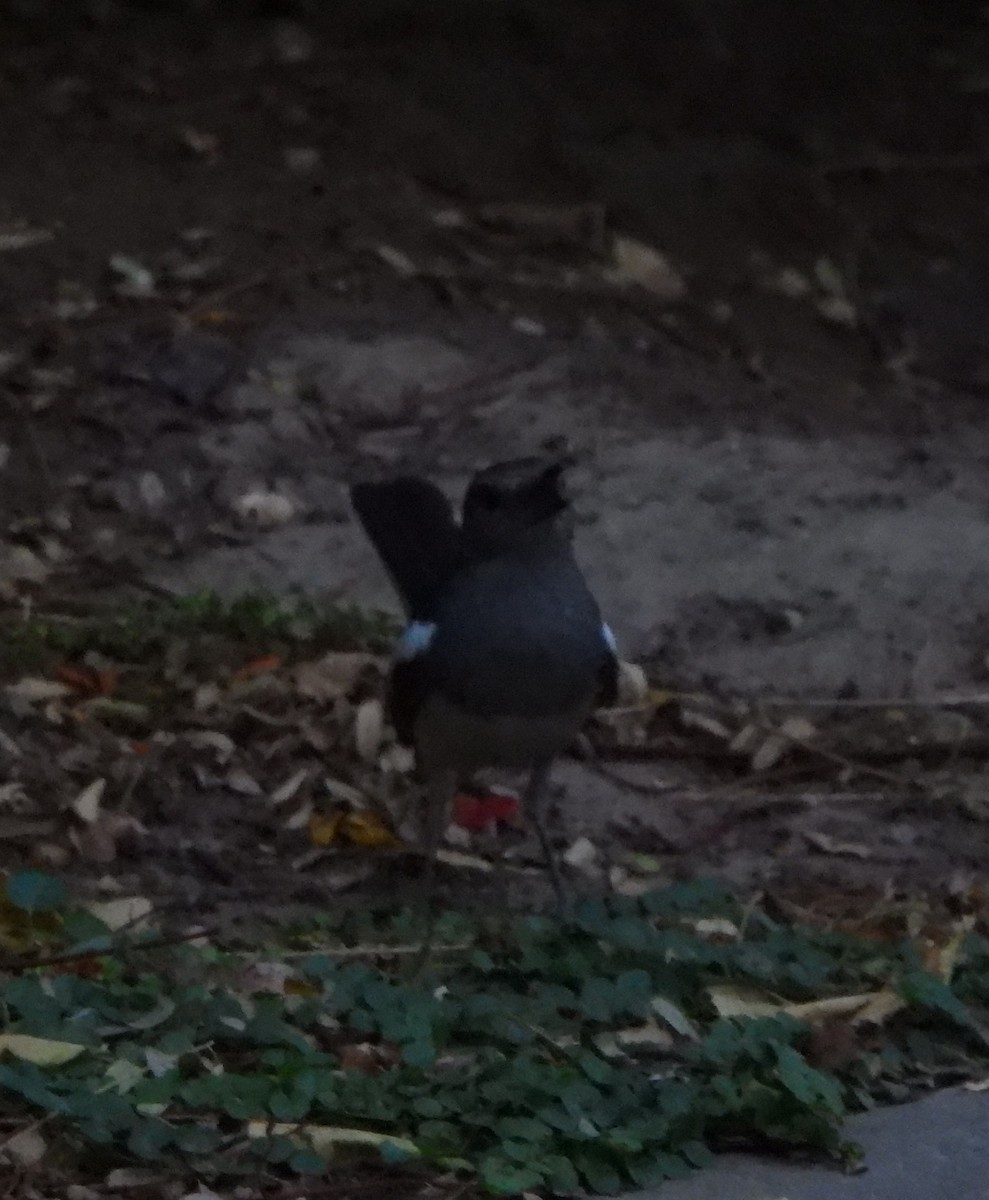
515 503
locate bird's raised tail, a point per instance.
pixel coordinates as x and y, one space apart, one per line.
412 527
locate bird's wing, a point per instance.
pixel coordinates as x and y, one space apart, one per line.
411 525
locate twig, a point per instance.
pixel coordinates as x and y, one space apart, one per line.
631 785
370 951
19 963
879 702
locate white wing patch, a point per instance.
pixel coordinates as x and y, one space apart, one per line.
415 640
609 639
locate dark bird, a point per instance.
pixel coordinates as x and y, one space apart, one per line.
505 654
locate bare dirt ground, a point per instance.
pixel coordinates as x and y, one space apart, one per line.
739 258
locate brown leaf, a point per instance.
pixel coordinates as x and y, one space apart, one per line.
333 676
89 681
635 263
86 805
98 842
829 845
369 728
258 666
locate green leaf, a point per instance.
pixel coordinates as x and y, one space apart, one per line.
561 1174
596 1068
150 1138
806 1084
597 999
599 1171
507 1178
197 1139
305 1162
285 1106
419 1054
921 988
36 891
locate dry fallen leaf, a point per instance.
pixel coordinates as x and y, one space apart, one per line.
264 508
692 718
649 1036
97 842
788 281
839 310
290 787
582 854
398 260
333 676
829 845
211 739
861 1008
89 681
18 235
33 690
633 687
130 911
369 726
456 858
330 1141
42 1052
635 263
366 828
256 667
238 780
136 281
324 828
86 805
26 1148
14 799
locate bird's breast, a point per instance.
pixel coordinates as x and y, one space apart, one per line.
449 737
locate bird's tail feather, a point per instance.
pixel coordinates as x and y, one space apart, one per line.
412 527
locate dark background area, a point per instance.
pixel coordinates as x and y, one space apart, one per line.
252 252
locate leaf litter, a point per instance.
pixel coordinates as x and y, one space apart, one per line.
503 1055
290 727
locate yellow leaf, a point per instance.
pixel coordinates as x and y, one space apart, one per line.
324 828
860 1008
366 828
40 1051
329 1141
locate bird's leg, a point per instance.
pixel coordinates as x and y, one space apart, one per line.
439 797
533 802
440 790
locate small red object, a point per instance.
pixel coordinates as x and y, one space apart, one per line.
476 812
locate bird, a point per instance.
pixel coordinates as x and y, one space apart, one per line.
505 653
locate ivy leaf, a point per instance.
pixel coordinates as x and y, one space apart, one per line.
597 998
506 1178
36 891
599 1171
305 1162
806 1084
925 989
150 1138
197 1139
